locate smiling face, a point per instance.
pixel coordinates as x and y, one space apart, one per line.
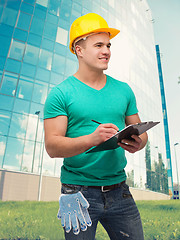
95 52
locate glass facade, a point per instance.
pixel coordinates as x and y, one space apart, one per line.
34 57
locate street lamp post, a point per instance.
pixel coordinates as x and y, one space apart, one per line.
37 113
175 144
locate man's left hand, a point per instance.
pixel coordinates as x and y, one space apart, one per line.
131 146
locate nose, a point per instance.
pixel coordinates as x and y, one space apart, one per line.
106 50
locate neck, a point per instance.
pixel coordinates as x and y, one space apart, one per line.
90 76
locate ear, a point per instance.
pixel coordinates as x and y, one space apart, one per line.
78 50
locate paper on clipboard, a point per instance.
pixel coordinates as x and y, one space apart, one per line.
126 133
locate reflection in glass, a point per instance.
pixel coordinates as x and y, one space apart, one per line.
37 26
50 31
20 34
26 8
21 106
18 125
24 89
71 67
45 59
27 156
28 70
24 21
54 7
9 84
5 42
56 78
47 44
31 127
43 74
2 149
34 39
13 65
58 64
17 50
43 3
9 16
40 92
13 154
6 102
4 122
62 36
31 54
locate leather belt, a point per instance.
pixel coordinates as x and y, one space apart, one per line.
71 188
107 188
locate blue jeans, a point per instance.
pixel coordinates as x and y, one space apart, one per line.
115 210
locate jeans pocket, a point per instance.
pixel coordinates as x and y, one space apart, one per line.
126 193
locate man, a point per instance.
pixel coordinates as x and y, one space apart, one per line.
93 184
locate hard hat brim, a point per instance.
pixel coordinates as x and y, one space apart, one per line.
112 31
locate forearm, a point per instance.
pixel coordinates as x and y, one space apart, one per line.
63 147
144 138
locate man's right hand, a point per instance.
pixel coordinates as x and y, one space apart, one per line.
103 132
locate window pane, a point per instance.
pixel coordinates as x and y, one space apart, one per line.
60 49
18 125
58 64
2 149
32 127
6 102
2 64
65 11
20 35
4 122
24 89
37 107
28 70
56 78
17 50
40 92
34 39
43 74
42 2
14 4
9 16
40 12
21 106
6 30
54 6
31 54
9 84
5 42
45 59
62 36
30 1
37 26
52 18
27 156
13 155
27 8
24 21
64 24
48 44
50 31
71 67
13 65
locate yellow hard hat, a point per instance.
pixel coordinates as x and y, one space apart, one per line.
87 24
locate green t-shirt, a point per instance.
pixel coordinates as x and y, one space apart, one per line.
81 103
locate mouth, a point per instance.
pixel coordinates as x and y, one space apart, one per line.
104 59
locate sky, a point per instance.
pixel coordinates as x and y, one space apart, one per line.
166 15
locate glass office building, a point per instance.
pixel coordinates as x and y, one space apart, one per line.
34 57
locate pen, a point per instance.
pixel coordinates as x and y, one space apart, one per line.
98 122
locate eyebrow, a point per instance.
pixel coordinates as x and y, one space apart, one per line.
109 44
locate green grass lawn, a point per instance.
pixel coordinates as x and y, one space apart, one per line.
37 220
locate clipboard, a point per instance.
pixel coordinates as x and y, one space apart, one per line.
126 133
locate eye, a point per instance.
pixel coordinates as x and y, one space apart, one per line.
98 45
109 45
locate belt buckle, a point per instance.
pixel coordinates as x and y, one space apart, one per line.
102 189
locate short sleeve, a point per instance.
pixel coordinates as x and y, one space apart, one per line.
55 104
132 106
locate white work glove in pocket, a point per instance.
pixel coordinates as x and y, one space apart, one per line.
72 211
